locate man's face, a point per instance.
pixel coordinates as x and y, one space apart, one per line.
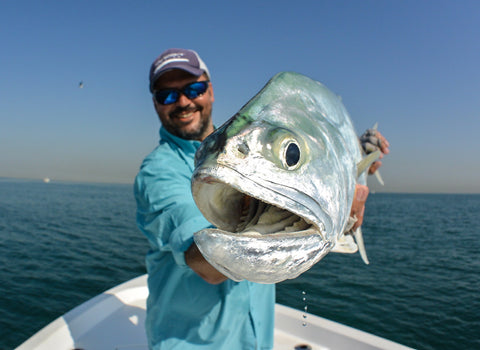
190 119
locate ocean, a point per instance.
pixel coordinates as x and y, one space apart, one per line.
63 243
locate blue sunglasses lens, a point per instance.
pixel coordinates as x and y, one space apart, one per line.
196 89
192 91
166 97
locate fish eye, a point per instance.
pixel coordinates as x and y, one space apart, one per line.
292 154
284 148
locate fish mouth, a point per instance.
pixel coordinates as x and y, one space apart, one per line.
263 234
260 218
238 205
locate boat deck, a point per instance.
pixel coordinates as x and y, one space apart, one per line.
115 319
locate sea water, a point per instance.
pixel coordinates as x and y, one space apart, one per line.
63 243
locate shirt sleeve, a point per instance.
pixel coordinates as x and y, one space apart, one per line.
166 211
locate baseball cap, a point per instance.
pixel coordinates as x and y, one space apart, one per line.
187 60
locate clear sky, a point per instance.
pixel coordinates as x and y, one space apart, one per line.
410 65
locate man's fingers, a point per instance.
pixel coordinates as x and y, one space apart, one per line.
358 205
374 167
383 143
372 140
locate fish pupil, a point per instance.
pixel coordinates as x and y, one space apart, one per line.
292 154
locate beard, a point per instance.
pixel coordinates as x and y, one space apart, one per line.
196 133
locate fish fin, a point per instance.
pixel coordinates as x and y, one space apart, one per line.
365 163
345 244
377 173
379 177
361 246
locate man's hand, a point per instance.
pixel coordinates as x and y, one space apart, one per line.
372 140
197 263
358 205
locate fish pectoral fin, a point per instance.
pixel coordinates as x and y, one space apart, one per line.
361 246
351 241
345 244
365 163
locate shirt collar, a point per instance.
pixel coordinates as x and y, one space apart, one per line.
188 146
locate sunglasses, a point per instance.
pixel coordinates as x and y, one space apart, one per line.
169 96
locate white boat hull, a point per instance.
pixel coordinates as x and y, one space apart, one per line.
115 320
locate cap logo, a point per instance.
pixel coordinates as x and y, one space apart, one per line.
176 57
169 61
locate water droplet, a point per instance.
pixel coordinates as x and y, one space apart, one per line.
305 308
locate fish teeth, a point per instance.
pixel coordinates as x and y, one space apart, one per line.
257 218
300 225
265 218
251 210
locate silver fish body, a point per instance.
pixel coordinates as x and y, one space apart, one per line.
277 181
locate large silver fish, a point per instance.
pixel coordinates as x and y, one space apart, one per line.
278 180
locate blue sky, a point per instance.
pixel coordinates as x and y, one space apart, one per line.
411 66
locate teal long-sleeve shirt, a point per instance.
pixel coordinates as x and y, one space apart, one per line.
184 311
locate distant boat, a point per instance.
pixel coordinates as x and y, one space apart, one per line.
46 180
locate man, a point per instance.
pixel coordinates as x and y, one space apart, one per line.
191 305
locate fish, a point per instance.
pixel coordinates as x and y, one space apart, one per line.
277 182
